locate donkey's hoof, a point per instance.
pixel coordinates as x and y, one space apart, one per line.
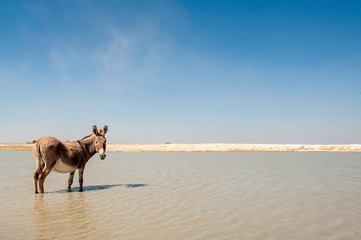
80 190
69 190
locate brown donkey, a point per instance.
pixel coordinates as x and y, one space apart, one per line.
65 157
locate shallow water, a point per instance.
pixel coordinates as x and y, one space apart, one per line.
245 195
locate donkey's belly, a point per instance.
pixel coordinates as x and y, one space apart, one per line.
62 167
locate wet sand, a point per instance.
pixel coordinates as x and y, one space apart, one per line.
232 195
211 147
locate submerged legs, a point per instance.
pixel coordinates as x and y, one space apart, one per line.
70 180
35 180
71 177
81 171
38 176
42 177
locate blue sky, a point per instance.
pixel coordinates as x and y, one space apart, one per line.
182 71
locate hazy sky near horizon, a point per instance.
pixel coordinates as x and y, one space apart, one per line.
193 71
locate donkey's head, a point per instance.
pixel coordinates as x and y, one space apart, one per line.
100 141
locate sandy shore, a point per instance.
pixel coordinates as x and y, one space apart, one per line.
211 147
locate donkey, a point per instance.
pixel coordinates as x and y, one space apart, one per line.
65 157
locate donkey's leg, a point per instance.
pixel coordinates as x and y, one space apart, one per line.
36 175
35 180
70 181
39 166
42 177
81 171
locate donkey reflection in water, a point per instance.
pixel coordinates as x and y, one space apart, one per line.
65 157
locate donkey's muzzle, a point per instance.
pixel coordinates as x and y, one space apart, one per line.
102 154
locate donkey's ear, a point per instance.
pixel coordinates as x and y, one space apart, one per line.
105 129
95 130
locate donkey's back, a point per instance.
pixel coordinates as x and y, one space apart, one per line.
49 147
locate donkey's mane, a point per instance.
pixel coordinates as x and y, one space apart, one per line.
86 137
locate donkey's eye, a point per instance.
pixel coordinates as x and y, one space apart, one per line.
96 142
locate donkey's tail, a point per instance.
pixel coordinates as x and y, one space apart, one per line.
38 157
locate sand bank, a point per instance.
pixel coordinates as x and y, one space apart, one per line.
211 147
16 146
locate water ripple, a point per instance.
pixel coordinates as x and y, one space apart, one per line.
187 196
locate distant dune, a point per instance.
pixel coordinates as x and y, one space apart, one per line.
211 147
16 146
